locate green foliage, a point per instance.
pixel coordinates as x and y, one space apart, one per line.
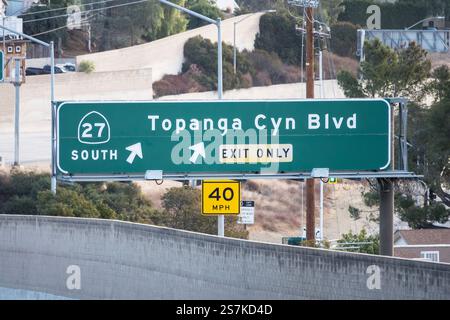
428 133
182 208
364 242
126 26
34 28
389 73
19 190
67 203
417 217
350 85
355 213
331 9
437 151
29 193
440 85
199 72
344 39
204 7
86 66
174 21
421 217
276 34
203 54
371 199
257 5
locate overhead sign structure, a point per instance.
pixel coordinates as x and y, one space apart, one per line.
221 197
247 215
2 66
103 139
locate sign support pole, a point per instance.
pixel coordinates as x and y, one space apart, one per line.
220 218
321 209
53 108
386 217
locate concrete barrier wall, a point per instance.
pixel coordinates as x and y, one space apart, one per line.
126 260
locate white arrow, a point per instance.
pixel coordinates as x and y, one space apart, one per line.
199 150
136 150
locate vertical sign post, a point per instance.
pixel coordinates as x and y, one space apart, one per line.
2 66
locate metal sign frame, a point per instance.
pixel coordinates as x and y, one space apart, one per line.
389 174
2 66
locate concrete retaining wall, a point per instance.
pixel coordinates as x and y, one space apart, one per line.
125 260
165 56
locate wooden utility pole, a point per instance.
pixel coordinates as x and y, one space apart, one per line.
310 201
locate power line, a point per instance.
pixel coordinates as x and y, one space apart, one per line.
92 10
56 29
64 8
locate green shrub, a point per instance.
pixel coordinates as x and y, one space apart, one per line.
182 208
277 35
344 39
204 7
86 66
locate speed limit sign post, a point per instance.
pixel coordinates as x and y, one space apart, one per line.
221 197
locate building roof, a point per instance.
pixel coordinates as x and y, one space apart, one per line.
424 236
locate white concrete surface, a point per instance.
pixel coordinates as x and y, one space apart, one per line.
277 92
165 56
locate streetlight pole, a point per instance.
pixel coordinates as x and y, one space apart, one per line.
52 90
426 19
17 111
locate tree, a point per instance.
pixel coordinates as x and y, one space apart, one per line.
124 26
174 20
344 39
437 153
29 193
204 7
331 9
388 73
421 217
35 28
202 54
182 207
277 35
440 84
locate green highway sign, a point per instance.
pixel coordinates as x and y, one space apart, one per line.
190 137
2 66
